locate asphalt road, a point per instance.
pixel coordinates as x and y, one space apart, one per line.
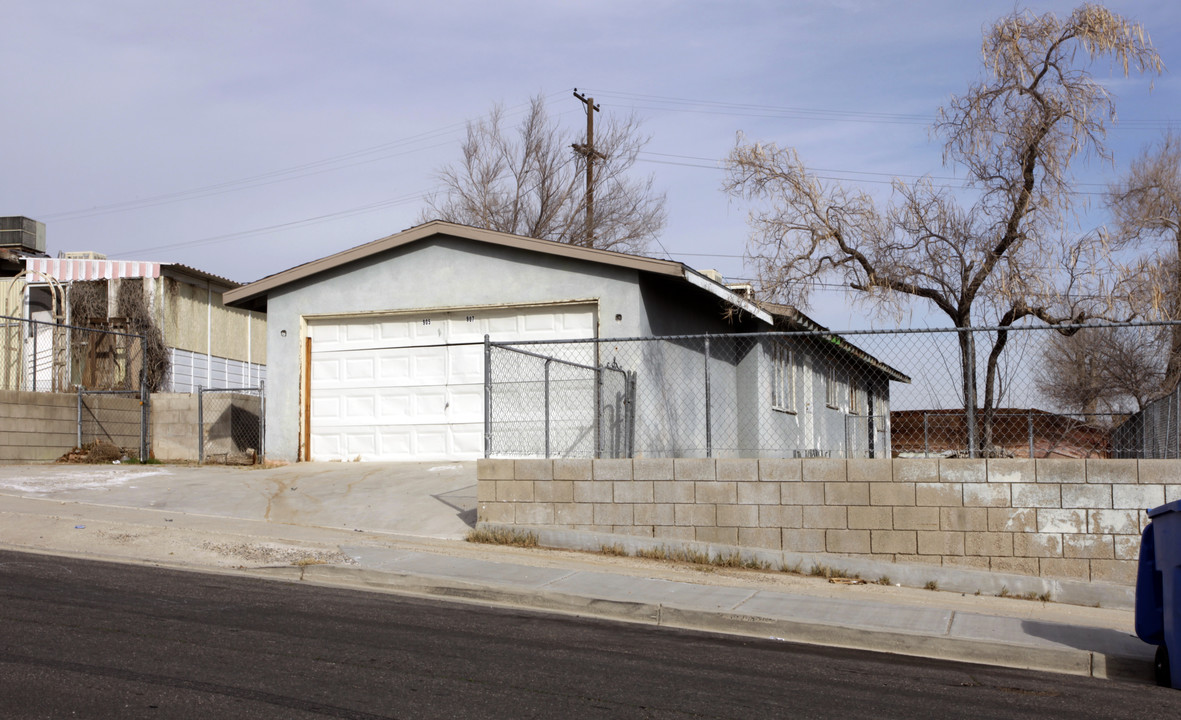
97 640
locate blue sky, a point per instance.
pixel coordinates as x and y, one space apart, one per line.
244 138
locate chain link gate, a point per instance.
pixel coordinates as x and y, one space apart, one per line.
118 417
231 422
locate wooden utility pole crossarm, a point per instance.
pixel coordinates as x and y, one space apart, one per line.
588 151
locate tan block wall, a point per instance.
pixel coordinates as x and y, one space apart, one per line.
1074 519
174 426
41 427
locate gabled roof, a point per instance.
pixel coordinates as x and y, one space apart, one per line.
253 296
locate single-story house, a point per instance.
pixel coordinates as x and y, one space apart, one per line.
377 352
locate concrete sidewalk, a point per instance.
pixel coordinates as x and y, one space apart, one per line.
398 528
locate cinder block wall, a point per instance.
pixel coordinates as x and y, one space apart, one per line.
1075 519
41 427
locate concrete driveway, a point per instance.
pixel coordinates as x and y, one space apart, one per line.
421 499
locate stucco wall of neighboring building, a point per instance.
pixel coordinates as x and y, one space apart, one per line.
192 317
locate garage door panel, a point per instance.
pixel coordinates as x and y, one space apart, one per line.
411 387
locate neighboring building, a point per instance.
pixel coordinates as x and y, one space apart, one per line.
1015 433
376 353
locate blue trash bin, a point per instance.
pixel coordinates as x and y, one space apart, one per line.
1158 590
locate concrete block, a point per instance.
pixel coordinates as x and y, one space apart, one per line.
612 469
590 491
654 469
939 494
613 514
533 469
1112 472
1086 496
991 544
559 491
534 513
695 469
1088 546
594 528
781 516
631 491
673 492
846 541
758 493
933 560
763 537
987 495
871 518
966 561
1127 547
1061 472
1114 522
963 470
494 469
937 542
718 535
869 470
1061 521
963 519
738 470
485 491
916 470
1012 520
780 470
654 514
697 515
824 470
675 532
1015 565
633 530
1011 470
571 514
1172 492
846 493
916 518
1065 568
496 512
514 490
1037 495
738 515
803 541
1159 472
892 494
716 492
1114 571
894 541
801 494
821 516
1137 497
573 470
1037 545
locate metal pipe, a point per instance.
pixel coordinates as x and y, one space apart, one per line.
1029 416
79 417
926 436
487 396
200 425
262 419
709 438
547 410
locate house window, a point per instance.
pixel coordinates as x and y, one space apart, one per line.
832 388
783 377
854 398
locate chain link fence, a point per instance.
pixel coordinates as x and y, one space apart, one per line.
38 356
854 394
117 417
232 425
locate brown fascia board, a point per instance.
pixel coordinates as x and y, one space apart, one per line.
253 295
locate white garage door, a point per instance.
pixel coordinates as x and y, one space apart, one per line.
411 386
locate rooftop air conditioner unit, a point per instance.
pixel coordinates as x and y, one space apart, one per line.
22 233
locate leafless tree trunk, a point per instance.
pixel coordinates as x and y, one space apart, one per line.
529 181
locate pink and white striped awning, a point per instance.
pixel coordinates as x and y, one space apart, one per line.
71 270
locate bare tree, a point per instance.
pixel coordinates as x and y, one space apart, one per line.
1104 370
1003 257
1146 208
529 181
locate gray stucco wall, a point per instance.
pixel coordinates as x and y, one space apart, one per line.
446 272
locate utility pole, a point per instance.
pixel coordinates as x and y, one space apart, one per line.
587 150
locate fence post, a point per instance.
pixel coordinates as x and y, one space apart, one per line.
200 425
926 438
547 406
34 329
1029 417
79 417
709 439
262 419
487 396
